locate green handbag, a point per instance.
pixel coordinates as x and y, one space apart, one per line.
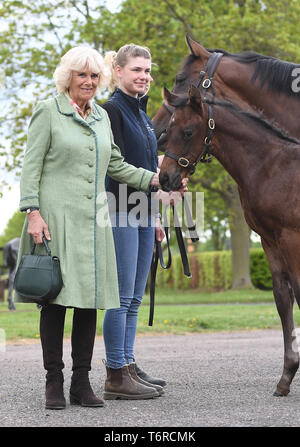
38 277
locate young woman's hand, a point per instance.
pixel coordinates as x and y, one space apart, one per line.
159 232
160 160
172 197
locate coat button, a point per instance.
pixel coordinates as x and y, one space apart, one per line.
91 164
89 196
87 132
91 148
90 180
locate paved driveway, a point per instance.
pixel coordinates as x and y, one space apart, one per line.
214 380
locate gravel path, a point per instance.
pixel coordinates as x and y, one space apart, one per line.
214 380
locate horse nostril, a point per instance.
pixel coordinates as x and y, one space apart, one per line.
164 180
176 181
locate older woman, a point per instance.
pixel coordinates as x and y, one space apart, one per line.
70 150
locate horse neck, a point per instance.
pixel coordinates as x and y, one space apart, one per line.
280 108
242 146
160 120
233 81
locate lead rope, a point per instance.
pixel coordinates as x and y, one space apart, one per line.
158 252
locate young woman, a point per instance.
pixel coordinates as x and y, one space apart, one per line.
134 238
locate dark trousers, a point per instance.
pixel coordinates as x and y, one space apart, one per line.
82 340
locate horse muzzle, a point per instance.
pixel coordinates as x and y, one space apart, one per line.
170 182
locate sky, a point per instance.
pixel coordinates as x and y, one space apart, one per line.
9 203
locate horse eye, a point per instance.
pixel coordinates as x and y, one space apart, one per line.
180 79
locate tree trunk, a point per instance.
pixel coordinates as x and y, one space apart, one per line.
240 243
239 231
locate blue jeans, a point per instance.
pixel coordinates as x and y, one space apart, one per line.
134 249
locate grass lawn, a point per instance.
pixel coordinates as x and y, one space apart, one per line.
168 296
184 312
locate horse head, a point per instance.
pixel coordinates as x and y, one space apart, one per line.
185 132
235 77
187 74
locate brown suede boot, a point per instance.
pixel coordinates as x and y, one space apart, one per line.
82 340
55 399
120 385
51 332
81 392
134 375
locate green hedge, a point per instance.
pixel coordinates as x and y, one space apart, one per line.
211 271
260 270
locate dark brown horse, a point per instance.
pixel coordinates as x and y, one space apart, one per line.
265 83
265 163
10 256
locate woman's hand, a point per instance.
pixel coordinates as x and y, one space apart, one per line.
37 226
172 197
184 187
155 180
159 233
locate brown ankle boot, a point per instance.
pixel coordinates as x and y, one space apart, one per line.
134 375
55 399
120 385
81 392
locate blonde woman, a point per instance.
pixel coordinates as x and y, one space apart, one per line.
134 241
70 150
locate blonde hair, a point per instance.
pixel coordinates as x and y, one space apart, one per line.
78 59
112 59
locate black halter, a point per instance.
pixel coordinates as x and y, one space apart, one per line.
208 82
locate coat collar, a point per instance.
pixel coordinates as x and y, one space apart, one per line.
134 103
65 108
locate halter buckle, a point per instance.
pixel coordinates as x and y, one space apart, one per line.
183 162
211 123
206 83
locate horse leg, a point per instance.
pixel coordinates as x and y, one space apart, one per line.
11 305
284 299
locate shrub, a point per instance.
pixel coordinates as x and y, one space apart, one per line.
211 271
260 270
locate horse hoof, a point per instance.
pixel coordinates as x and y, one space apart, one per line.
281 392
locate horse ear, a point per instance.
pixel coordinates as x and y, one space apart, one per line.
196 48
195 98
170 98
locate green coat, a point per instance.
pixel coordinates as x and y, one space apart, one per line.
65 164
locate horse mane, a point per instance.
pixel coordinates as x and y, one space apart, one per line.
258 118
276 73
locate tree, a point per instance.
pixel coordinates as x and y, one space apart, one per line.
38 33
13 228
35 35
246 25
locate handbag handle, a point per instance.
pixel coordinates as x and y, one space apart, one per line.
45 244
